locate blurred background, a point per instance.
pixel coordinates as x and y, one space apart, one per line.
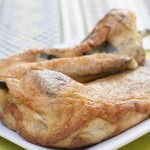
26 24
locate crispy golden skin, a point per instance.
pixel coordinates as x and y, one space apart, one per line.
51 109
82 69
116 32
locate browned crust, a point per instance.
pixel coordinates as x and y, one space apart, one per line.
78 140
81 69
117 26
76 103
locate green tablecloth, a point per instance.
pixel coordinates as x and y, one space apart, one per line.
143 143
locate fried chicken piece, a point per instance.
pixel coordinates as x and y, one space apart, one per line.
48 108
116 32
81 69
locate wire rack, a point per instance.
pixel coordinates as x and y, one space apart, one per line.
26 24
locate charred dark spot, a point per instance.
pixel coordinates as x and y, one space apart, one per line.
138 52
84 53
50 94
51 57
56 49
3 86
123 16
45 56
105 47
49 82
147 30
119 20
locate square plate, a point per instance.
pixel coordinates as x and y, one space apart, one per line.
112 143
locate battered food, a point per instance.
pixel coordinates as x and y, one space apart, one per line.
81 69
115 33
49 108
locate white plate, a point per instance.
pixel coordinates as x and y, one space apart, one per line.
111 144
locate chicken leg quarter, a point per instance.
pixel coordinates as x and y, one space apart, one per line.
49 108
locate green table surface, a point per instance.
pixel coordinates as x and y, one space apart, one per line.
142 143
